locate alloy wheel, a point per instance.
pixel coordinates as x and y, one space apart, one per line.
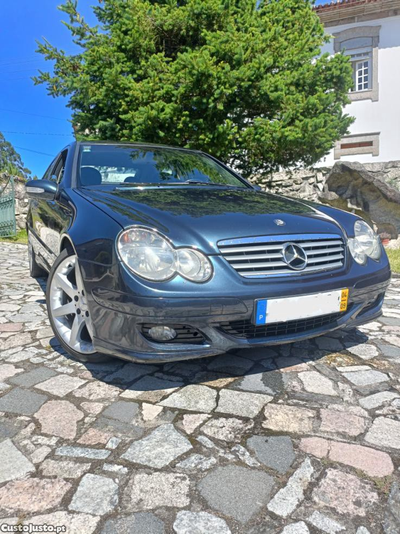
68 307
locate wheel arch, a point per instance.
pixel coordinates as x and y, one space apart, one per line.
66 243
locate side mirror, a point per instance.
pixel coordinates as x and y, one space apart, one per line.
257 187
41 189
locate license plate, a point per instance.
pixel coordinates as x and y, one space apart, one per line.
301 307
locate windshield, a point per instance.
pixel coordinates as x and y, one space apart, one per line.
126 166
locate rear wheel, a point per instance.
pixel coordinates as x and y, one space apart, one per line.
34 269
68 311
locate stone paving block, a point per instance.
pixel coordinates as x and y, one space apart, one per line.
73 523
296 528
192 421
345 493
60 385
318 447
32 495
21 401
334 421
200 522
97 391
384 432
197 462
373 462
8 429
325 523
391 520
315 382
96 495
378 399
118 428
241 403
7 371
13 463
64 468
289 497
192 398
275 452
159 448
155 490
364 351
123 411
366 378
284 418
245 456
59 418
236 492
81 452
226 429
257 383
140 523
27 380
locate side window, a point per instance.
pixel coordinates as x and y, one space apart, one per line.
58 169
47 175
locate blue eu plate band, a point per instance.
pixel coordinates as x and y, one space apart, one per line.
261 312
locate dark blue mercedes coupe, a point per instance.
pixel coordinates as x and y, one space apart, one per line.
157 254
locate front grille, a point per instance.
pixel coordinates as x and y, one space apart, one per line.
262 256
245 329
185 334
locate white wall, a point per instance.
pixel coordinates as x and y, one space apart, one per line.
384 115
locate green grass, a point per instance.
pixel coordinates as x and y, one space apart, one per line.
394 258
21 237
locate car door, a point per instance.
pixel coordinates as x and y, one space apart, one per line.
49 218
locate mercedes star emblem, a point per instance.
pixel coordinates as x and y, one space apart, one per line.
279 222
294 256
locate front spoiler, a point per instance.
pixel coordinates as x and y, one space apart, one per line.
123 337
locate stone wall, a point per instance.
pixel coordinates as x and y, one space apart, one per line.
21 199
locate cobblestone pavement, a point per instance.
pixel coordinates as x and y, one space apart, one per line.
296 439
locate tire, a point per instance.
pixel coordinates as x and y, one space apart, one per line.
67 309
34 269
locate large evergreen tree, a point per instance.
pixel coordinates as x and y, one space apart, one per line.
241 79
10 160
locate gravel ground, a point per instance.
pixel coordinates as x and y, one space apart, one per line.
294 439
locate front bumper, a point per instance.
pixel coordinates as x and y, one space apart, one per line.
119 317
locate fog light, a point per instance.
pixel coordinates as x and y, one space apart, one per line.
162 333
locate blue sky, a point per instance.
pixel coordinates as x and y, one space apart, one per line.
32 121
41 121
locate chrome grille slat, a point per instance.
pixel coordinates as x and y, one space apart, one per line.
286 271
264 257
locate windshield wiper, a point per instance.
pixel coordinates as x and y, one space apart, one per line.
214 184
134 185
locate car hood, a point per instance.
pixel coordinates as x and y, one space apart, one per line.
202 217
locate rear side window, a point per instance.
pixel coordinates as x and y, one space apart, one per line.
58 169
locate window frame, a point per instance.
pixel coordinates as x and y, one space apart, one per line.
371 32
367 144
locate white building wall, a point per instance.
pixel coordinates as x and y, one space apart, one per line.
384 115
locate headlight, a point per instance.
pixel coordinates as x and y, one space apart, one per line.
364 243
150 255
193 265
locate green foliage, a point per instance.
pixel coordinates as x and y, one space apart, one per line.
21 237
10 160
394 258
240 79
